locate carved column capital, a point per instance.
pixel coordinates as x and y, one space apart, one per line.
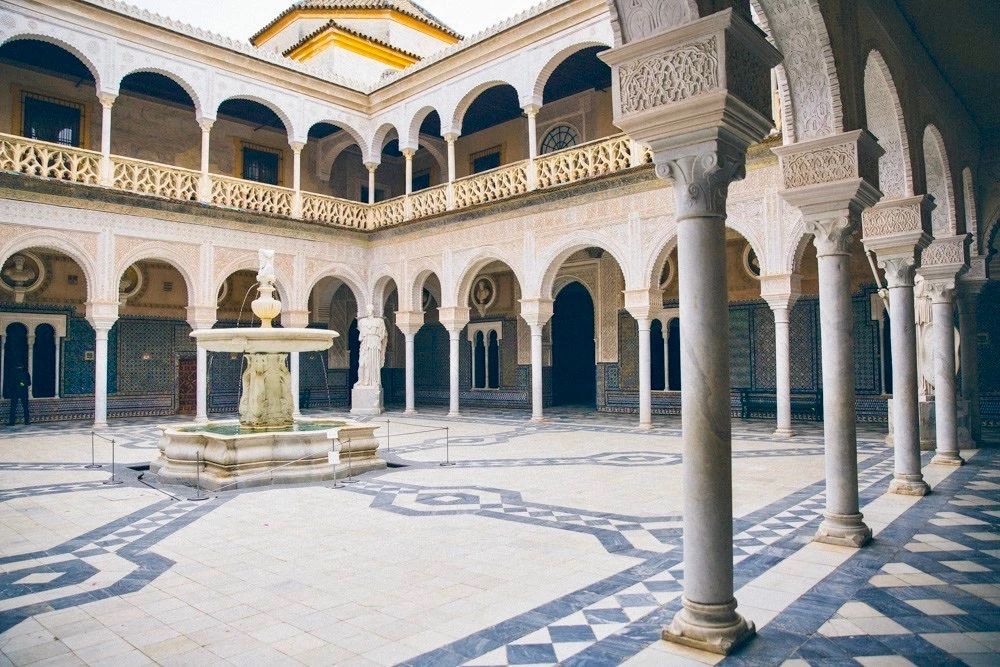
832 236
371 167
644 304
102 316
409 321
107 99
781 290
900 270
701 181
940 290
972 281
945 259
453 318
536 312
206 124
297 146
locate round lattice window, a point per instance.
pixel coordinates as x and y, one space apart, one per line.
558 138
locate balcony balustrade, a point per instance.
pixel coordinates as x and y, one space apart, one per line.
41 159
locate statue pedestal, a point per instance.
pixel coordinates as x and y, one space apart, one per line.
366 400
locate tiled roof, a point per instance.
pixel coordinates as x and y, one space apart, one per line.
406 7
352 31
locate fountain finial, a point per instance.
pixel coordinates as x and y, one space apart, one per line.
265 306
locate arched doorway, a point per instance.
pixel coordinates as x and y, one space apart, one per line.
43 363
15 353
574 376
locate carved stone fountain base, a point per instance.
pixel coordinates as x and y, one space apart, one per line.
231 460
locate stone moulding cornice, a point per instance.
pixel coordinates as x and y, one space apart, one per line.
973 280
944 260
693 83
898 227
839 157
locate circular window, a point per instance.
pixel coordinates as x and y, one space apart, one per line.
750 262
558 138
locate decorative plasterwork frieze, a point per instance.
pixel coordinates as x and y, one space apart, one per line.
670 76
898 228
638 19
841 157
947 252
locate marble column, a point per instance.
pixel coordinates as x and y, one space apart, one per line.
107 173
536 312
297 178
31 359
531 110
205 183
454 320
408 154
897 231
451 138
59 340
700 143
371 167
201 410
781 291
101 376
942 263
907 477
969 286
409 322
645 376
831 194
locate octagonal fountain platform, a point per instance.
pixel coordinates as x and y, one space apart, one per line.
265 445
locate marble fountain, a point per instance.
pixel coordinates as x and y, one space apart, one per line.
266 445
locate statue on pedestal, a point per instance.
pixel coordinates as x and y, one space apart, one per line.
366 396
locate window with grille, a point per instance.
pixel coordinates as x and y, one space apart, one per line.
558 138
261 164
491 158
48 119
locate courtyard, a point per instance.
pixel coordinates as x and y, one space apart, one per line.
547 543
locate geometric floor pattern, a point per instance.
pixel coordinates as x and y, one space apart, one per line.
926 591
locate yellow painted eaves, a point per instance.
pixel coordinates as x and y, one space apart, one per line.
333 14
336 37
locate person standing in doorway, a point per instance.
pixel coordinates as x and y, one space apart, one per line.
22 380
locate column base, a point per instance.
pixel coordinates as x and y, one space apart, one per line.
784 433
540 420
948 459
201 420
98 424
646 427
409 411
909 485
709 627
454 413
846 530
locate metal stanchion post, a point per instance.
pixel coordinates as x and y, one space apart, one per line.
350 468
93 462
197 478
388 448
112 481
336 482
447 455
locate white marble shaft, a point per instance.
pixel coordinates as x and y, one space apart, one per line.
843 523
410 374
537 412
645 380
908 480
782 373
453 340
101 377
968 303
945 408
201 411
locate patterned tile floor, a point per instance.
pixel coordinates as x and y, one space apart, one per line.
555 543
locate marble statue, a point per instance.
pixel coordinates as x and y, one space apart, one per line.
366 396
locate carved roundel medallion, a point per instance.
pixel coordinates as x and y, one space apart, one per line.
23 272
484 293
751 264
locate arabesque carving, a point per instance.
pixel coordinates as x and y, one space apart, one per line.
669 77
823 165
895 220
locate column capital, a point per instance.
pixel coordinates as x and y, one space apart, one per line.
536 312
107 99
701 180
102 315
644 304
900 270
371 166
295 319
898 227
206 124
701 81
945 259
532 108
451 137
408 153
832 236
972 281
202 317
781 290
409 321
297 146
453 318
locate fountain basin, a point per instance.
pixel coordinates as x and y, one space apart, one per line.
264 340
231 458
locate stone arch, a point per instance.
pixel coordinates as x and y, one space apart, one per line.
52 241
326 160
196 97
971 214
554 258
416 287
412 137
250 263
475 264
667 241
290 127
344 274
176 259
807 78
937 175
380 289
463 105
885 120
542 76
379 139
68 43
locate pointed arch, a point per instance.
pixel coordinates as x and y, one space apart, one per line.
939 183
885 120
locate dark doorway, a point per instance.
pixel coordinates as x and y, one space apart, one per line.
354 355
15 353
674 353
574 373
887 352
657 377
43 376
187 385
